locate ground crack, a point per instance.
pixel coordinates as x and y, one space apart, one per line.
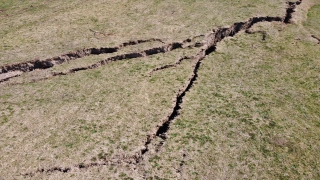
80 166
169 65
316 38
290 10
50 62
182 163
161 131
208 47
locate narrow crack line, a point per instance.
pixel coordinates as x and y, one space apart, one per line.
182 163
9 75
145 53
8 78
104 162
134 55
178 62
50 62
316 38
163 129
130 43
211 40
136 158
67 169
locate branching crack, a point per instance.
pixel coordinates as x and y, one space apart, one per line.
145 53
170 65
211 40
207 47
50 62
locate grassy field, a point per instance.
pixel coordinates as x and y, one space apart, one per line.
252 112
42 29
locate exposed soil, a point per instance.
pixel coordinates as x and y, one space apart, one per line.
9 75
145 53
50 62
211 40
290 10
208 46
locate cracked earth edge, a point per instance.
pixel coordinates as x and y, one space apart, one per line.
209 46
28 66
316 38
50 62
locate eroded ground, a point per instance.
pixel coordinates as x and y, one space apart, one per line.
179 90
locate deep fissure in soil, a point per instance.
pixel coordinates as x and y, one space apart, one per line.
206 49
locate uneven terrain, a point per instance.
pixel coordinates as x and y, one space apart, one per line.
160 89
